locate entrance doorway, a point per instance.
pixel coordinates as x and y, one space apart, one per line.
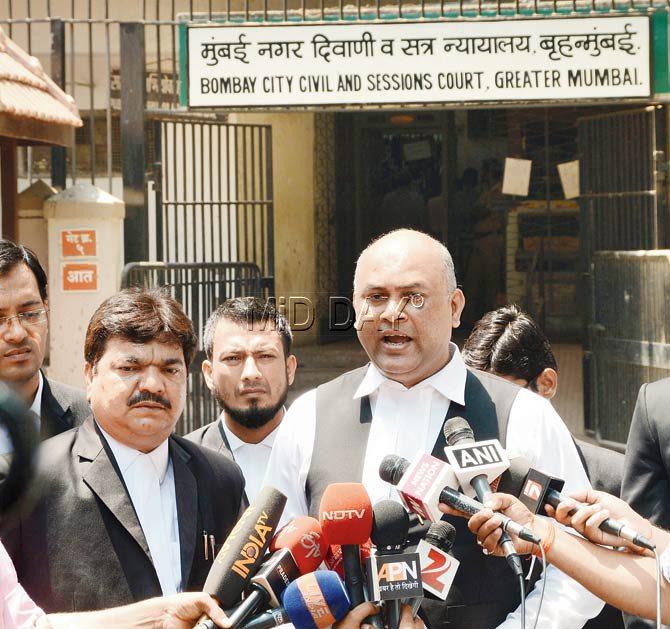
441 172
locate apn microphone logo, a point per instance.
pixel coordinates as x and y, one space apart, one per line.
397 571
396 576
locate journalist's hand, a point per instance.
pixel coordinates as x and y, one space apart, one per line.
600 506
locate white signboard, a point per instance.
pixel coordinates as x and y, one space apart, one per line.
412 62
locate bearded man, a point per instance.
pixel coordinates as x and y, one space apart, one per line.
249 369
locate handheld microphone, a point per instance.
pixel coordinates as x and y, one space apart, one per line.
419 482
311 602
346 519
304 537
438 567
390 525
464 503
316 600
475 463
298 550
243 550
540 489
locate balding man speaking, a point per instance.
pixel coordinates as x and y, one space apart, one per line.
407 304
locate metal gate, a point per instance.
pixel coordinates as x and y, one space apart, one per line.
213 193
623 208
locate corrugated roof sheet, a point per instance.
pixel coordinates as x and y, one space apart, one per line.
26 91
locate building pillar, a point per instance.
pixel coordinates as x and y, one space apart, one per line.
85 235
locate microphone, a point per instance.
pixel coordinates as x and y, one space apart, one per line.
243 550
267 585
298 550
438 567
540 489
324 601
316 600
306 539
346 519
419 483
464 503
475 463
388 570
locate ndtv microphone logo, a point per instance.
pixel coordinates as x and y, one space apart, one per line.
533 490
343 514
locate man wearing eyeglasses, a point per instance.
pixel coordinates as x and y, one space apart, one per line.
24 323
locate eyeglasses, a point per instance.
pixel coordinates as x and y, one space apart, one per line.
28 318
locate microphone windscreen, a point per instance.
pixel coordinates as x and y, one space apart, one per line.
390 524
305 539
392 468
242 552
345 513
457 430
316 600
442 535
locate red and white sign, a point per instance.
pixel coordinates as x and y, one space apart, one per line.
81 277
79 243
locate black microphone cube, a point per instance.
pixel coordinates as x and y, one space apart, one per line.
534 491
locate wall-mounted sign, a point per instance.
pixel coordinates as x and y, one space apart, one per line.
79 277
79 243
418 62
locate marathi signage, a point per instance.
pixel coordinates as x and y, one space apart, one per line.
79 243
418 62
80 277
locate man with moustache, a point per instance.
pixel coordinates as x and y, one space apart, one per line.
407 303
24 324
249 368
127 511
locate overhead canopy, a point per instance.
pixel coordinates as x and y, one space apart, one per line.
33 109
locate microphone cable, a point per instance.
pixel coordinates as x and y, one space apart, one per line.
544 583
658 589
522 586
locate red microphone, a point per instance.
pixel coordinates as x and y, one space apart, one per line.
345 514
304 537
298 549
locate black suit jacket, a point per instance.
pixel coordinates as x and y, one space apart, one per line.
646 480
209 436
82 546
63 407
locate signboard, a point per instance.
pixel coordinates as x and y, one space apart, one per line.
79 243
418 62
79 277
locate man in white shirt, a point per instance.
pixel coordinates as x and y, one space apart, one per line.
407 303
128 511
249 368
24 324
